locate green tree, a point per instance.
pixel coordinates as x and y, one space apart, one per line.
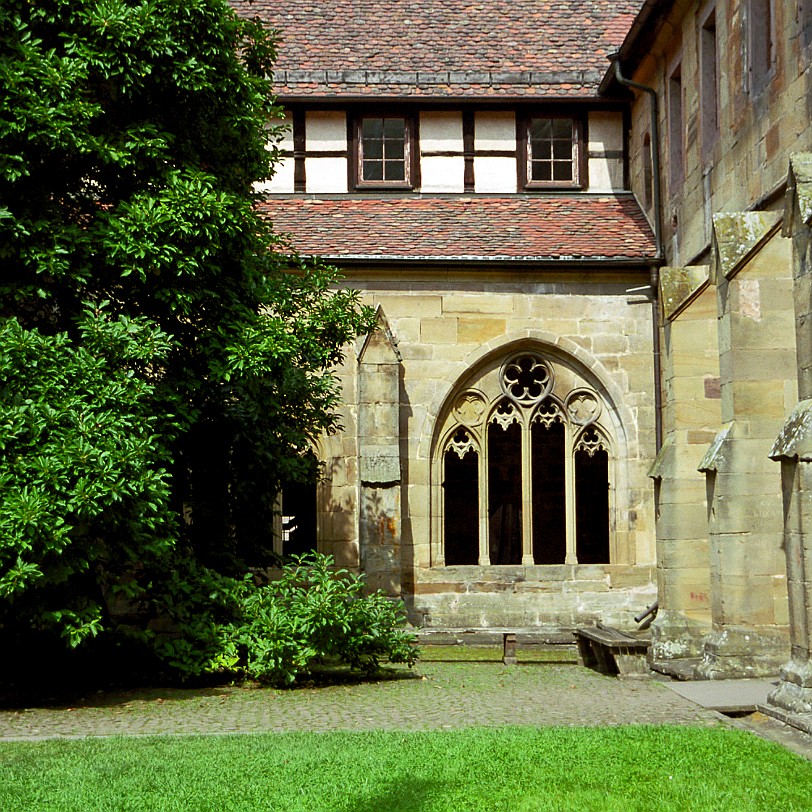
164 356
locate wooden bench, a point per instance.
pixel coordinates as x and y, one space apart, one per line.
510 638
612 651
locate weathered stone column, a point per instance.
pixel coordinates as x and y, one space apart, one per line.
757 371
793 449
692 412
379 459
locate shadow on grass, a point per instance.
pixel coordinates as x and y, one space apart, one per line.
407 796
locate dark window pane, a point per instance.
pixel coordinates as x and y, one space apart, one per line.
372 128
541 150
541 170
393 149
394 128
562 149
562 128
372 149
373 170
562 171
541 128
395 170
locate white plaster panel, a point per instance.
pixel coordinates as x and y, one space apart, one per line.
325 130
326 174
495 174
282 180
286 122
605 131
495 130
605 175
441 131
442 174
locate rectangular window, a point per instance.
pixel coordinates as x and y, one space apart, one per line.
385 145
709 83
805 22
761 43
553 149
675 130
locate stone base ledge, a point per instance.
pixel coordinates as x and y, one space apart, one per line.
683 670
536 578
539 636
794 691
800 721
741 652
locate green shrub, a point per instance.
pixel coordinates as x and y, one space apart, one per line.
315 613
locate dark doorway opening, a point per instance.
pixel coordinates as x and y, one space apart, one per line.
298 519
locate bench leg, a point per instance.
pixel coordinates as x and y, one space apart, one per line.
586 656
509 649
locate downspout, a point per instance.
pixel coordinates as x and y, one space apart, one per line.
659 256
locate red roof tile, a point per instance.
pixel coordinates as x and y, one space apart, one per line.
440 48
516 227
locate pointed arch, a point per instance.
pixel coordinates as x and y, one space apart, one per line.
528 409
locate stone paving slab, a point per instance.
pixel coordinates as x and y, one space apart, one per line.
727 695
433 696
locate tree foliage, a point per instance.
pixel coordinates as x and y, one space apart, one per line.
164 356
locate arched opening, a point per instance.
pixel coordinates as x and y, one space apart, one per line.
461 507
549 493
505 493
525 469
592 500
299 518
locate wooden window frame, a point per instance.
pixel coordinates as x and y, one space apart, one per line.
579 180
412 164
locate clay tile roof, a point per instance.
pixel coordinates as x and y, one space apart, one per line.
506 228
441 48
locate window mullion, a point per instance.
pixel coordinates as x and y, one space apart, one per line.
569 484
484 540
527 496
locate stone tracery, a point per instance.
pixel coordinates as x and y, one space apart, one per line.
527 427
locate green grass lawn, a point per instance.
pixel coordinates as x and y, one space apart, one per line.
493 654
617 768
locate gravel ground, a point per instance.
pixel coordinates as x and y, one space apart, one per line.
435 695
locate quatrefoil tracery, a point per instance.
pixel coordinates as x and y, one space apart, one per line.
526 381
526 378
583 406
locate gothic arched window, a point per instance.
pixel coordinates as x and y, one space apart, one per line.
524 467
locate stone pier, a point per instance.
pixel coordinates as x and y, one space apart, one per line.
793 449
750 634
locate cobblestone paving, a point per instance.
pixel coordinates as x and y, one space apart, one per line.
433 696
